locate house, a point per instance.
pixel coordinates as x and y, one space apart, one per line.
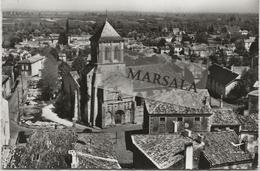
221 80
62 57
199 50
249 130
178 49
43 145
175 31
253 101
164 49
176 110
163 151
223 150
32 66
224 119
5 123
248 42
239 69
6 86
54 38
79 40
94 151
243 32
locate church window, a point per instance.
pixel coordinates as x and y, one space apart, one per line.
162 119
138 100
117 54
107 53
197 118
119 98
180 119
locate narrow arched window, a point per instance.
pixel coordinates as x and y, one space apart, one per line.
117 54
107 54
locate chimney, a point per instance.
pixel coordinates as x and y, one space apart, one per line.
244 144
189 156
221 102
175 126
228 129
239 128
232 68
200 138
246 112
187 133
75 162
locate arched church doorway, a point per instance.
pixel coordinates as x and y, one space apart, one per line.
119 115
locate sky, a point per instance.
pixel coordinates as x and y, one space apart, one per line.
201 6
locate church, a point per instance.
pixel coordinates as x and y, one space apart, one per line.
111 99
114 94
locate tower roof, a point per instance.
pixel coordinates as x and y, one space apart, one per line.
106 33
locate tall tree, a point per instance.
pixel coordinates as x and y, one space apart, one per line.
63 38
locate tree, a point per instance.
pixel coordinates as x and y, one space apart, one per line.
161 43
63 38
249 78
201 37
240 47
78 64
253 50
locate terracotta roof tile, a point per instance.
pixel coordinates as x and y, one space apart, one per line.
32 59
88 162
97 144
179 101
223 117
163 150
249 122
220 151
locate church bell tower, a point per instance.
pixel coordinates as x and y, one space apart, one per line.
107 46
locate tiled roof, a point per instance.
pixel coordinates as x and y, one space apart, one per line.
170 70
179 101
32 59
249 122
106 32
96 151
96 144
91 162
223 117
219 149
116 81
163 150
221 74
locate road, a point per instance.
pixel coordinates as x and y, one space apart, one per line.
50 74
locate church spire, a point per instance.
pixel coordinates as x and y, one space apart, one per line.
106 15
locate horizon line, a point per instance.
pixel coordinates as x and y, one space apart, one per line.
164 12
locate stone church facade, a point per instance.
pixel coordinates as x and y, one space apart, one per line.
111 100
